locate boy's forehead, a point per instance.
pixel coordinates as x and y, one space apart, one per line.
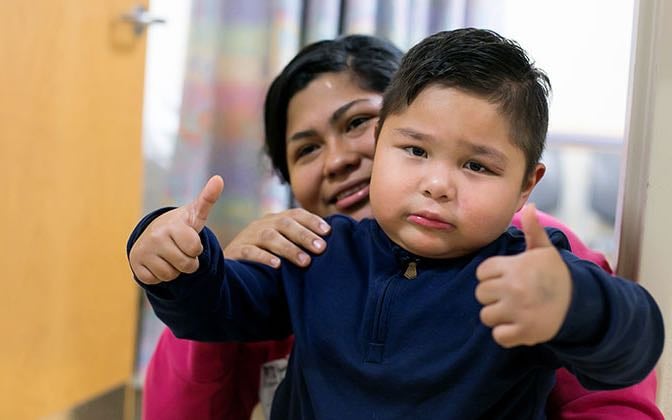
438 113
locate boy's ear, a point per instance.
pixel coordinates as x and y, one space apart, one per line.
530 182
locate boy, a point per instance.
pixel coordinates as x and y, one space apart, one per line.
434 308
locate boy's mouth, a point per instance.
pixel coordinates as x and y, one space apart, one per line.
431 221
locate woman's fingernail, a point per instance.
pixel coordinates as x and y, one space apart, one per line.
275 262
303 258
324 228
318 244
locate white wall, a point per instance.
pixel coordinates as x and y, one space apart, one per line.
645 248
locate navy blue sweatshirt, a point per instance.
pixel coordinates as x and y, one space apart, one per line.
371 343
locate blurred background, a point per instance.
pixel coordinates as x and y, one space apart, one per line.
119 107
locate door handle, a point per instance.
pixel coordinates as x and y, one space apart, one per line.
140 18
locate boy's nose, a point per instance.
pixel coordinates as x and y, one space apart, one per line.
439 186
340 160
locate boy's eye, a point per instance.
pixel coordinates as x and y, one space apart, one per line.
476 167
416 151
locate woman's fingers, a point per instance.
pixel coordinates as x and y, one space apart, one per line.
252 253
303 229
263 246
288 235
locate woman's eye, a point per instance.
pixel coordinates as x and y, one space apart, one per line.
306 150
416 151
476 167
357 122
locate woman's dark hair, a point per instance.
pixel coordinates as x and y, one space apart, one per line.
371 60
483 63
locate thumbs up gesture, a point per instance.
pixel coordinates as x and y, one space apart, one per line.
525 297
170 245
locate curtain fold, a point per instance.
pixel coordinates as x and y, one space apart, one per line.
404 22
360 16
235 48
322 20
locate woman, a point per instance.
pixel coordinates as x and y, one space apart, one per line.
320 116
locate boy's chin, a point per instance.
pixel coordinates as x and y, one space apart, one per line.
434 253
431 247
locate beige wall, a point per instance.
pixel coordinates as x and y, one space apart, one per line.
645 250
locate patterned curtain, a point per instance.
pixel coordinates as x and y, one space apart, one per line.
404 22
235 48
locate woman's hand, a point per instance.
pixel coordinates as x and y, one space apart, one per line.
288 234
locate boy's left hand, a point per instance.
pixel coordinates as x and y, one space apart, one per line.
525 297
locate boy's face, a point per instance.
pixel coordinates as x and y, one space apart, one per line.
447 178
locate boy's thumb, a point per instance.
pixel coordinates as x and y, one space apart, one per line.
535 235
199 209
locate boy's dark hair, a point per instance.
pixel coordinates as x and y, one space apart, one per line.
372 61
483 63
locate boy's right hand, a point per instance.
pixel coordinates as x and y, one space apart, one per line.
171 244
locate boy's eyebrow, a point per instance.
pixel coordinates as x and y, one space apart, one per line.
338 113
490 152
414 134
479 149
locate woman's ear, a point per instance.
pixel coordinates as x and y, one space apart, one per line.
530 182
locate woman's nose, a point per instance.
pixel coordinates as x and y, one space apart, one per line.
340 159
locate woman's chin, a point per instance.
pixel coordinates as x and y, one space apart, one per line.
359 211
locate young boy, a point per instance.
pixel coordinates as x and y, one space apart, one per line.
435 308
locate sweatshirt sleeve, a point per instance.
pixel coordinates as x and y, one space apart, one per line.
613 334
224 300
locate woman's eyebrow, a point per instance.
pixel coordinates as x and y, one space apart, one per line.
303 135
344 108
338 113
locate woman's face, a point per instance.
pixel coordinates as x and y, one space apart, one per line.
330 145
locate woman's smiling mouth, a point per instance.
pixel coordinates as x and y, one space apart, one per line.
352 196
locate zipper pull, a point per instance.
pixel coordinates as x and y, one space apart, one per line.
411 270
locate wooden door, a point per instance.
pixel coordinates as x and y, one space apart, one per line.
71 81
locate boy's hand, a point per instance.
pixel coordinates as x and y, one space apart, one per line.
525 296
170 245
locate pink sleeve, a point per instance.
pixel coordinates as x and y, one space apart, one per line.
189 379
569 400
